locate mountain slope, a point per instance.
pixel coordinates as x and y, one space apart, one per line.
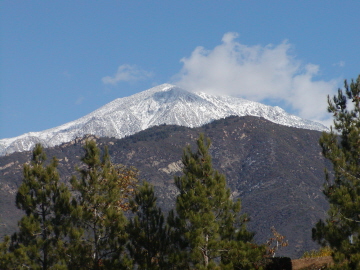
164 104
277 172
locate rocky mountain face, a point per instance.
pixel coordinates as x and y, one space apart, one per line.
164 104
276 170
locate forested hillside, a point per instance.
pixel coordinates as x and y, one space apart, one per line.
276 171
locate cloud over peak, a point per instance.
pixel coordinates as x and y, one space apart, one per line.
126 73
257 73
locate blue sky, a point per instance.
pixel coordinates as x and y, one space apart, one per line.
60 60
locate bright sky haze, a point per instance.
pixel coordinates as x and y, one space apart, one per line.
60 60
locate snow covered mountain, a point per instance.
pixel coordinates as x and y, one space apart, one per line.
163 104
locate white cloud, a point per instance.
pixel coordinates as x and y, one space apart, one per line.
339 64
80 100
257 73
127 73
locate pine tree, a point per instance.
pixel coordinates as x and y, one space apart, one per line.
341 146
149 241
46 203
98 237
207 226
13 259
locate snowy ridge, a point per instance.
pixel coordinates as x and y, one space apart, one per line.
163 104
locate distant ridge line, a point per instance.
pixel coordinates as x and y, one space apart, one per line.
163 104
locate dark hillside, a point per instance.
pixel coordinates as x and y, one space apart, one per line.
277 171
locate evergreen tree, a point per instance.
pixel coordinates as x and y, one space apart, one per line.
98 237
149 241
341 146
15 259
45 200
207 227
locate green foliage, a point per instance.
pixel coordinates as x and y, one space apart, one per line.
207 227
82 230
87 229
12 260
45 200
341 230
98 236
149 242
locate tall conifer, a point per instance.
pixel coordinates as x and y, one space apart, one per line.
149 241
341 146
207 225
45 200
98 237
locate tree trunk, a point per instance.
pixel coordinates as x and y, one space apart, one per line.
206 255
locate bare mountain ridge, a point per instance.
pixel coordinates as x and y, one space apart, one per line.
276 170
163 104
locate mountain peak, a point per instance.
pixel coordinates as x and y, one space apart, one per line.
162 104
